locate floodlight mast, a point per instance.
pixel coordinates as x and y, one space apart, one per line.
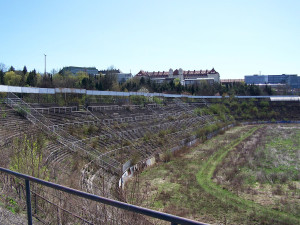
45 64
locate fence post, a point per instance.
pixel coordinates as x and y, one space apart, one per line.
28 202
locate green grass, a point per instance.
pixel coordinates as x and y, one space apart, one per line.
204 178
184 186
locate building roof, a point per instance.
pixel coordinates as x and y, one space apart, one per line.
162 74
78 67
186 73
199 79
111 71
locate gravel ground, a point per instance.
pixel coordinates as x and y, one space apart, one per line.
9 218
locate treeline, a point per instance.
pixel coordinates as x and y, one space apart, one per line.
109 82
204 88
20 77
61 79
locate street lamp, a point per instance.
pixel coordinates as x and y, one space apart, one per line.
45 63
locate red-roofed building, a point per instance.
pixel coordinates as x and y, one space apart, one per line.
186 76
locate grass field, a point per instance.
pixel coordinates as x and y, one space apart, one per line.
212 182
266 169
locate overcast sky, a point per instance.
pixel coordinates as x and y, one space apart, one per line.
236 37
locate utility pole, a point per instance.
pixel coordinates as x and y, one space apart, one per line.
45 64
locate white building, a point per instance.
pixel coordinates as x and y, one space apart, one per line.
187 77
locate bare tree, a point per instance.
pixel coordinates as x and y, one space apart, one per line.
3 67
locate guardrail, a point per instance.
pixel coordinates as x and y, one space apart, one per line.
32 90
121 205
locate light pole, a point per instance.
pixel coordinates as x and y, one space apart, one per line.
45 63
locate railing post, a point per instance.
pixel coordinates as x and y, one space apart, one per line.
28 202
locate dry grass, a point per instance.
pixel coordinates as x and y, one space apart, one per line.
265 168
173 187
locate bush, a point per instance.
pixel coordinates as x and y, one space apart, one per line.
166 157
278 190
22 112
162 133
90 129
264 104
126 143
200 133
157 100
137 99
136 157
147 137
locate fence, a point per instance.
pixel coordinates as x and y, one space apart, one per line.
121 205
31 90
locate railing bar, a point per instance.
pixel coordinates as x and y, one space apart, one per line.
107 201
28 202
63 209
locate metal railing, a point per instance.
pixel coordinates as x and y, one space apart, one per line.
121 205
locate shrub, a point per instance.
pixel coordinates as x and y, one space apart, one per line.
147 137
166 157
264 104
171 118
95 143
261 177
200 133
162 133
126 143
292 186
157 100
278 190
136 157
138 99
88 130
22 112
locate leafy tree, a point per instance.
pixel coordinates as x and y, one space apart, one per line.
268 90
65 79
177 81
82 80
24 70
11 78
28 157
32 79
115 87
108 81
179 88
142 81
254 90
46 81
12 69
1 77
24 73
